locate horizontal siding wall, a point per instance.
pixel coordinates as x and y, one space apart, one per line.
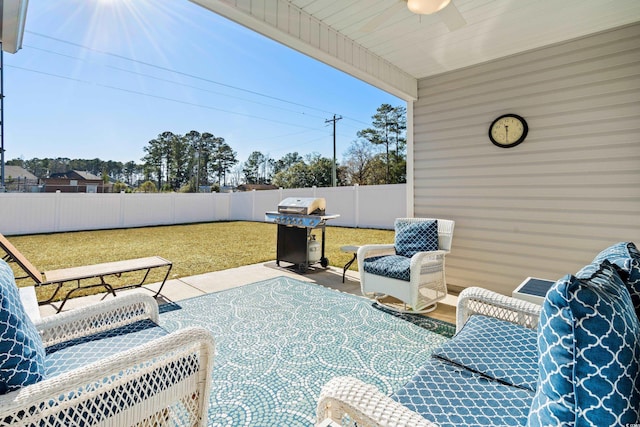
547 206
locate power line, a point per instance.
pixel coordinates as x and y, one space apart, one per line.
180 73
171 81
159 97
159 67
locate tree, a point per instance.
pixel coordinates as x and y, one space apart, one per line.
180 162
317 170
15 162
196 165
147 187
223 160
130 169
320 170
389 125
359 159
252 168
295 176
119 186
286 161
237 174
153 160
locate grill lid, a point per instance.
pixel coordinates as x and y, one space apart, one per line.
303 205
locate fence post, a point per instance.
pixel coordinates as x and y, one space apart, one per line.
173 208
253 204
122 213
356 200
56 211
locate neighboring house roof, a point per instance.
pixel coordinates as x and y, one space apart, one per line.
18 172
87 175
257 187
83 175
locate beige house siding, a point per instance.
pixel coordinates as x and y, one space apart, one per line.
545 207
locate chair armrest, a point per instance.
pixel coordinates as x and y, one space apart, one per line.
476 300
365 405
166 379
428 257
366 251
95 318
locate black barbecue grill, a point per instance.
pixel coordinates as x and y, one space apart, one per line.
297 218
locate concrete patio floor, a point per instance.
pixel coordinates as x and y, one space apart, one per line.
192 286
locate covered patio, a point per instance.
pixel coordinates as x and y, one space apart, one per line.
542 207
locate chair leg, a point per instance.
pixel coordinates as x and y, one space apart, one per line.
406 309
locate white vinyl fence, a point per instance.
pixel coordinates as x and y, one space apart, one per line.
31 213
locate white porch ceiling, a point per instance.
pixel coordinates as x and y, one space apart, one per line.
14 13
407 47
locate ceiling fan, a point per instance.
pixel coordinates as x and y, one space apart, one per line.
446 10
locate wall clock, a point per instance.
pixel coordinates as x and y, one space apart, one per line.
508 130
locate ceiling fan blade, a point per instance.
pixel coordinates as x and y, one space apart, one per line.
382 17
452 17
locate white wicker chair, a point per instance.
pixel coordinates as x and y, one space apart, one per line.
427 284
351 402
162 382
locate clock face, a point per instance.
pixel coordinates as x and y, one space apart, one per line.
508 130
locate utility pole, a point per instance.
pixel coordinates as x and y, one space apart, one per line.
334 179
2 178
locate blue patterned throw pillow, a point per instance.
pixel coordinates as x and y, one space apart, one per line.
626 257
413 237
589 343
21 349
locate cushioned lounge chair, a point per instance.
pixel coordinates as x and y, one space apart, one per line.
108 364
83 274
411 269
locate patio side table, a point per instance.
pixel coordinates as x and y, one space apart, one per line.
533 289
353 249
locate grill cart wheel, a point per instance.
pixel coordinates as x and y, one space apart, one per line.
324 262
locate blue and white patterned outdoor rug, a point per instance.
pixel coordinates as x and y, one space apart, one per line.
280 340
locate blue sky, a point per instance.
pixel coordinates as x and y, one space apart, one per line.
100 78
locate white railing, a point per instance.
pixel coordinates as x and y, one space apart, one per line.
373 206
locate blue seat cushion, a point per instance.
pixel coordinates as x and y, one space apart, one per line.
64 357
393 266
412 237
449 395
626 257
589 341
497 349
21 348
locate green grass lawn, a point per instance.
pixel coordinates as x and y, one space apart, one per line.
193 248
